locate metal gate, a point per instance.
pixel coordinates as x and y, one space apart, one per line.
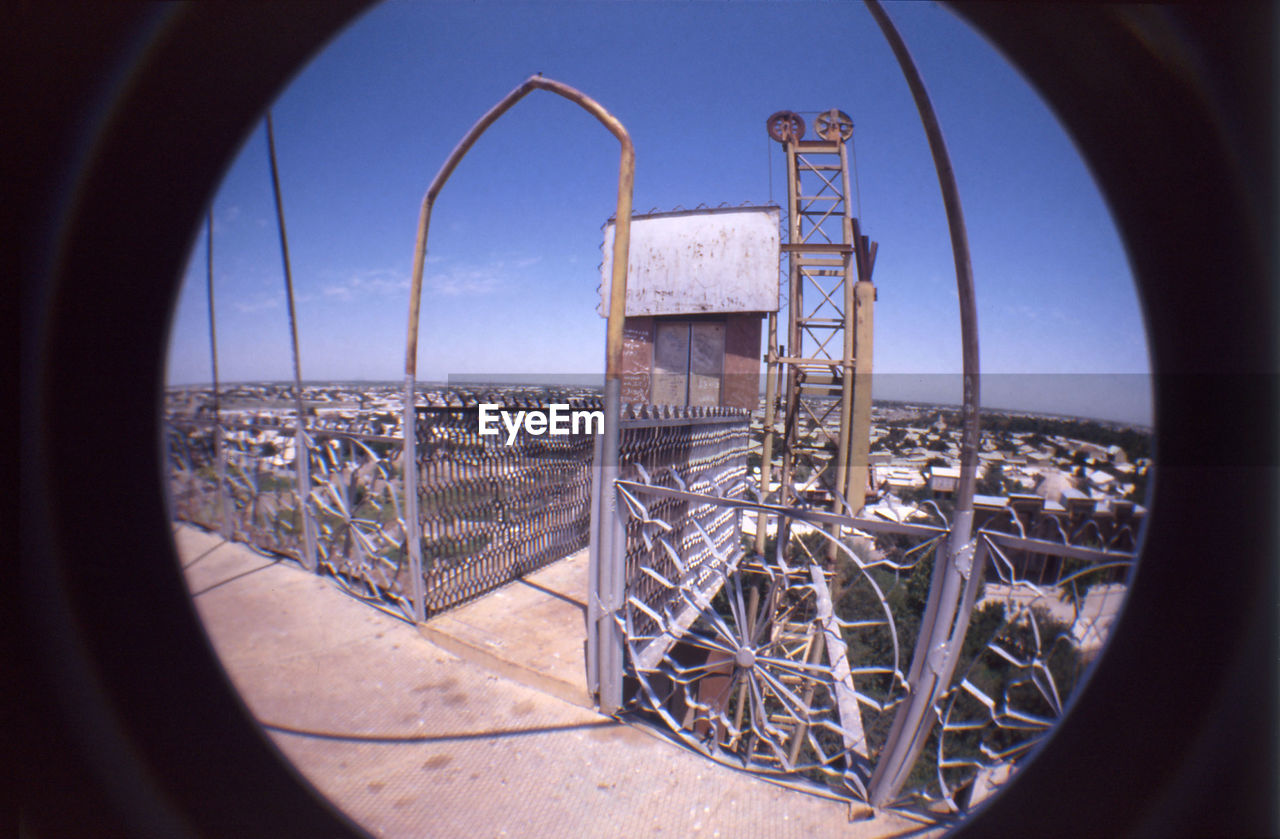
810 672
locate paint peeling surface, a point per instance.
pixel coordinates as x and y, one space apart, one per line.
700 261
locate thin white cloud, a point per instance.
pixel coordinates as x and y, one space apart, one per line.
1063 317
1021 311
1024 312
442 277
260 303
365 284
465 281
471 279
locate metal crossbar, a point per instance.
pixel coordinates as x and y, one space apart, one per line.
793 668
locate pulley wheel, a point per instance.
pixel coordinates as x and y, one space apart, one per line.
834 126
785 126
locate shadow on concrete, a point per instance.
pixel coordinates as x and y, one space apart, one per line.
203 555
558 595
233 577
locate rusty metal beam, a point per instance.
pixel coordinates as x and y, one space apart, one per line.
613 348
626 181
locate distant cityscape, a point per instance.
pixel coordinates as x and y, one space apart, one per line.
914 446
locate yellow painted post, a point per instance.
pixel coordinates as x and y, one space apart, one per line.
864 294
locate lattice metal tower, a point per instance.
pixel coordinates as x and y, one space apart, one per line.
818 379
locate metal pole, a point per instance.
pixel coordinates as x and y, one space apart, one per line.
841 479
864 296
219 453
770 421
795 303
612 571
594 606
617 307
934 658
301 447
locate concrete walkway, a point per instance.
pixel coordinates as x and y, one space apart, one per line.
410 739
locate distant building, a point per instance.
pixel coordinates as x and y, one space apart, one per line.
698 285
1100 479
897 478
1052 485
1117 455
944 479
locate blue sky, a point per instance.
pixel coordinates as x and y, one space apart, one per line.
515 243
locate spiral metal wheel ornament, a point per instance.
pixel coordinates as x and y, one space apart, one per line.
834 126
752 670
785 126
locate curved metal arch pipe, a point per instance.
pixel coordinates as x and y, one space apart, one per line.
617 301
953 588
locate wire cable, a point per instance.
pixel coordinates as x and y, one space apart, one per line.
857 188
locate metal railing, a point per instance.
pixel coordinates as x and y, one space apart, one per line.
353 505
672 544
782 663
488 512
803 670
491 512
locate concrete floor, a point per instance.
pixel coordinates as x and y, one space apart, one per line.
410 739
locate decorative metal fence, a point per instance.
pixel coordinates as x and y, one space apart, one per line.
249 494
672 545
831 675
492 512
489 511
233 477
835 676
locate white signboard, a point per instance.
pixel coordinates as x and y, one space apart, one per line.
698 262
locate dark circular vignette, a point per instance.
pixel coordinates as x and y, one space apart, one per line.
1173 108
123 118
129 114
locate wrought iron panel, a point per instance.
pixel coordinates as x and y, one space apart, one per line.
492 512
1048 608
359 518
672 544
779 664
794 667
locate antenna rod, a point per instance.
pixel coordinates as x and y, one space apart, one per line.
301 450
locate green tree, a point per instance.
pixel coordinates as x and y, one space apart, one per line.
993 480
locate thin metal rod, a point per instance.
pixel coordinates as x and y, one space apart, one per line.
301 448
810 515
594 606
795 310
622 231
843 476
617 307
219 453
930 672
770 423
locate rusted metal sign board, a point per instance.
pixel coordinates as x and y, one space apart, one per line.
699 262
